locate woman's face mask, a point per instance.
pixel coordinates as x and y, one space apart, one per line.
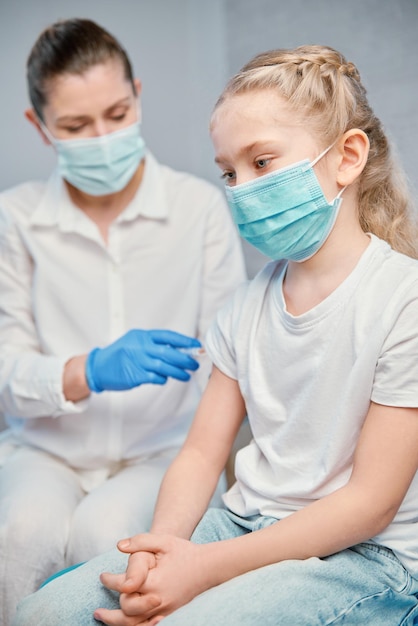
100 165
284 214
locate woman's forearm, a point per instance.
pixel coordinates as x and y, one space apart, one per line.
74 379
36 385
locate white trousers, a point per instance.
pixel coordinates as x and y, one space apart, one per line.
50 517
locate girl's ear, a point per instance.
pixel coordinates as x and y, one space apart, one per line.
33 119
353 150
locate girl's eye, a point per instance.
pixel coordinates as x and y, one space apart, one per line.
262 163
228 177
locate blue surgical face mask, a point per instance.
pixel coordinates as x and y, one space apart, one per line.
100 165
284 214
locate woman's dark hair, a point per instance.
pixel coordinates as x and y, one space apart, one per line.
70 47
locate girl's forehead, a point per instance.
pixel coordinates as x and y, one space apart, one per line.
257 120
263 105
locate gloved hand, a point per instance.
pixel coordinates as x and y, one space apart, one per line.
140 356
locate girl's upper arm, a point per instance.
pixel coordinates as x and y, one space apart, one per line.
386 457
218 418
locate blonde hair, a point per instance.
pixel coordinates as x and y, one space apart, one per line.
321 86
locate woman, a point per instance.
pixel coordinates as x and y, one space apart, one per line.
107 269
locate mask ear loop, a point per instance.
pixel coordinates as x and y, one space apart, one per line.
338 196
323 153
46 132
319 157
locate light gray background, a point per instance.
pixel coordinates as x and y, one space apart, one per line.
184 51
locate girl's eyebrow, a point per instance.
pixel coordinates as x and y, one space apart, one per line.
256 145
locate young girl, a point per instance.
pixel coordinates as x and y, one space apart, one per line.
320 351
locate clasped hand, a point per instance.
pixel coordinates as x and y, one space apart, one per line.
138 357
164 572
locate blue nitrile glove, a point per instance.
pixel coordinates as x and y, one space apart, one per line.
140 356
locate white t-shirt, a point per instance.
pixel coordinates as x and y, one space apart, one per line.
307 382
173 258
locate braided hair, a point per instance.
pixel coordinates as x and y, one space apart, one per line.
324 88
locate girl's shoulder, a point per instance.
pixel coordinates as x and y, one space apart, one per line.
393 264
250 296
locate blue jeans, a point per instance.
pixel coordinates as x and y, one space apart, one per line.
363 585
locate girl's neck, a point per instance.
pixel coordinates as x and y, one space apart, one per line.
309 283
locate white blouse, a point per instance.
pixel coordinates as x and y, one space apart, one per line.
172 259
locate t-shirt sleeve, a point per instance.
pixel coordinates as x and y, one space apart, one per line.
221 335
396 375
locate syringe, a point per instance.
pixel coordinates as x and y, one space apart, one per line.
194 352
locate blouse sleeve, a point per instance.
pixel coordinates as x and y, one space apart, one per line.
30 382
